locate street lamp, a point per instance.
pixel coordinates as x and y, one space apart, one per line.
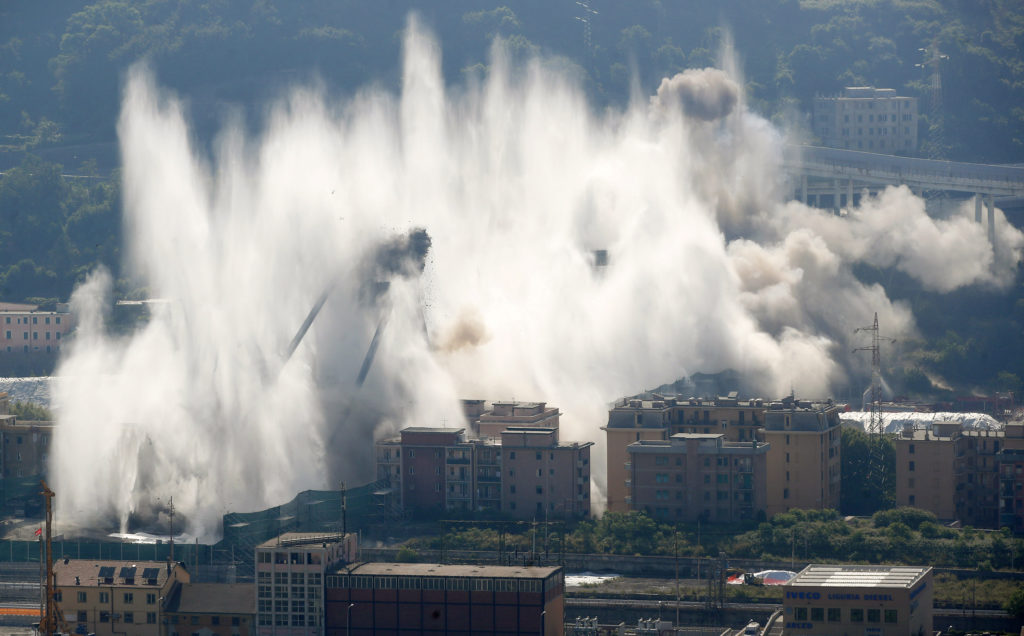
348 619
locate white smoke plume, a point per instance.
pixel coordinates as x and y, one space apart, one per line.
517 182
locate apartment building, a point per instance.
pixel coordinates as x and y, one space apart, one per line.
959 474
655 417
115 597
920 482
430 598
25 328
486 423
24 446
867 118
698 476
804 455
526 472
1011 489
290 580
543 477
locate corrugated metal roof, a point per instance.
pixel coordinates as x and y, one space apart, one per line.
435 569
902 577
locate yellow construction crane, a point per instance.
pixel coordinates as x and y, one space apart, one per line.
52 621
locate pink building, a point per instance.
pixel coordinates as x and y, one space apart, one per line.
542 477
25 328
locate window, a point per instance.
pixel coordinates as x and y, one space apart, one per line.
538 455
412 453
834 615
891 616
660 460
35 335
151 618
817 614
129 598
856 615
81 597
874 616
83 616
787 458
264 557
912 502
104 597
785 493
911 449
35 320
911 467
195 620
412 471
8 335
151 598
58 320
540 490
235 621
800 613
129 617
104 617
512 489
215 620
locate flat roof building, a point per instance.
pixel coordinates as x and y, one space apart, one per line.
867 118
698 476
527 473
431 599
804 457
656 417
837 600
290 580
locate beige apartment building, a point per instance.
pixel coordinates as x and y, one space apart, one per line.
924 469
838 600
868 119
655 417
698 476
804 455
115 597
955 473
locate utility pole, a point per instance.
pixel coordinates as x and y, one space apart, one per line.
170 527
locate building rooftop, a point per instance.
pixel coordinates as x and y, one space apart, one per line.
212 598
431 429
301 538
874 576
435 569
71 572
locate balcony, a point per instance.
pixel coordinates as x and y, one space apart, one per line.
486 477
457 460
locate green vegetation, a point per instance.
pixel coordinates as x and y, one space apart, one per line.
27 411
900 535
